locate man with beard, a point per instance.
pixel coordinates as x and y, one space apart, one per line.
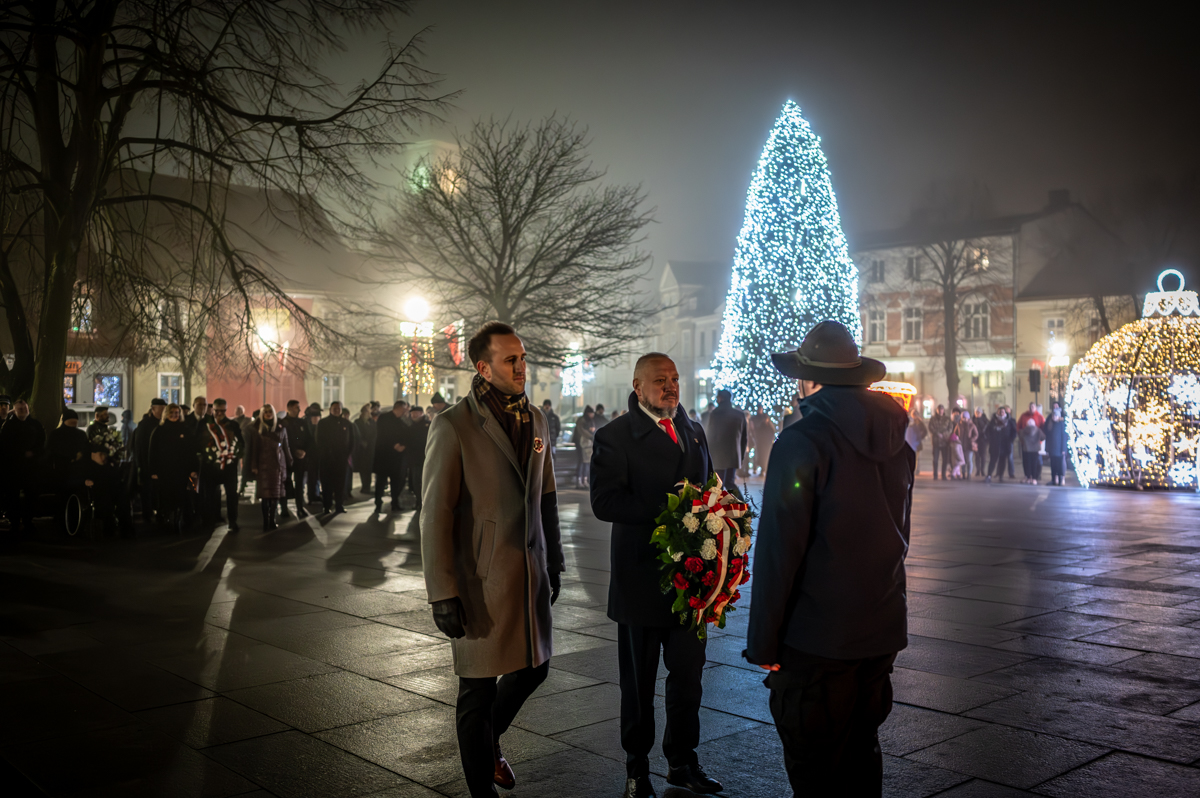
491 548
638 458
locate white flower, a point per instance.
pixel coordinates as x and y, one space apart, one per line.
691 522
714 523
742 546
677 556
709 550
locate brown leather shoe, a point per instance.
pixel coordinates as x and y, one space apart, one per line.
504 777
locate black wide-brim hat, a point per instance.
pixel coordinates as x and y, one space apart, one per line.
829 356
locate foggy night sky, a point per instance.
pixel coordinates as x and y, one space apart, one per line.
680 96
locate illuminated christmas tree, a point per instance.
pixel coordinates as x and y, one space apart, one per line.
791 269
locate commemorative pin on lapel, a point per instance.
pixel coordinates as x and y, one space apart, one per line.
538 446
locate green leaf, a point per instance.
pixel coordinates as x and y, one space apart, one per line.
672 501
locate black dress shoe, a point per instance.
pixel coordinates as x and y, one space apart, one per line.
693 777
639 788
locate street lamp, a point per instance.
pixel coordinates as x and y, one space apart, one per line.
417 372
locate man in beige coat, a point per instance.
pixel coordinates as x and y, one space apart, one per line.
491 549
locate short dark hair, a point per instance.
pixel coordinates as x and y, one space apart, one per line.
725 393
293 403
479 347
400 403
547 402
216 402
418 409
599 408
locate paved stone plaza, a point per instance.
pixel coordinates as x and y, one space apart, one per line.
1054 650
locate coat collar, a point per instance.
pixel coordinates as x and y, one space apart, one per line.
643 425
494 431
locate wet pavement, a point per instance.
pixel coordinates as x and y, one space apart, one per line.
1054 650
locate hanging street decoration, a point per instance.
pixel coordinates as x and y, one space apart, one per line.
1133 401
791 267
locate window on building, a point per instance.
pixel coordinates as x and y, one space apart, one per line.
876 327
875 272
170 388
69 386
993 379
1055 330
448 387
1094 330
912 269
106 390
914 324
976 321
331 389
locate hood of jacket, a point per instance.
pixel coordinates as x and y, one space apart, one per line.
873 422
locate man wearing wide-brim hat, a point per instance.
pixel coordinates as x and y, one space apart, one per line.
829 614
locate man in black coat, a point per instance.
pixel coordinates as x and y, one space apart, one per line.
313 417
22 440
335 443
141 457
829 611
391 441
636 461
219 442
414 451
300 444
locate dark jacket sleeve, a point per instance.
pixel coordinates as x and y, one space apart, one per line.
783 538
612 499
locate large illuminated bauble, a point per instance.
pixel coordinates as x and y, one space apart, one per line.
1133 401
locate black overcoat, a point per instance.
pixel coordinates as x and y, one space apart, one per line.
634 465
389 430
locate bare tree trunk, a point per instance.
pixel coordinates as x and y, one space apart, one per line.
1102 312
46 401
950 339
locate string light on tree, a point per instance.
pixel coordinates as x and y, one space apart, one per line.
791 268
1133 400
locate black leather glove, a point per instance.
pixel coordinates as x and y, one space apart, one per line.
448 615
555 586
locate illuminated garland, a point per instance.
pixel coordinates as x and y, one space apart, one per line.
791 268
1133 401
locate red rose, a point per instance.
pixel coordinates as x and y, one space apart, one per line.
709 579
745 577
694 564
695 602
681 581
737 595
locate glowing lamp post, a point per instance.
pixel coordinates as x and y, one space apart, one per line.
416 370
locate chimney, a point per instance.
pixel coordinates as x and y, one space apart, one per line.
1059 198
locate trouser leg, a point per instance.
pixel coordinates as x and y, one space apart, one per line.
230 480
1012 472
827 714
476 738
683 654
937 457
299 477
418 474
637 659
512 691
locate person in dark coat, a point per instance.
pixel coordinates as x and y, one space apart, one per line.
300 444
22 440
1000 436
391 442
99 423
270 460
66 444
1056 444
172 466
584 438
219 442
414 452
335 444
980 421
364 452
147 488
313 416
729 438
829 612
199 412
555 424
128 430
638 459
102 482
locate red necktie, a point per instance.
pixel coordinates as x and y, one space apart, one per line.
666 424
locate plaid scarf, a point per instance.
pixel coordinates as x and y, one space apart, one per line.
511 411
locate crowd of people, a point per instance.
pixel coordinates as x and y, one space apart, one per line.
172 469
966 444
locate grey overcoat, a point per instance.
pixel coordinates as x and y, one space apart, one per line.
489 535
